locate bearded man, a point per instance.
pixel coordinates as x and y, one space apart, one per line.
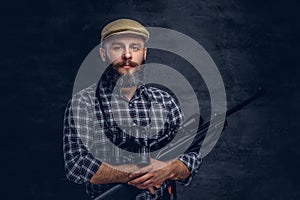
97 141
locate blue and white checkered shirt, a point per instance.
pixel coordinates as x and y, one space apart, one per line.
87 130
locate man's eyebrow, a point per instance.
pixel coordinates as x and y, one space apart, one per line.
117 43
136 44
132 44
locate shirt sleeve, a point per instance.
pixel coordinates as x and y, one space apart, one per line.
192 160
80 164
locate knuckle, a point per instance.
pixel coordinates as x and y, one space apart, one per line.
146 184
140 187
151 173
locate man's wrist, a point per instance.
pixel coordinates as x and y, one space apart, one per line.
178 170
112 174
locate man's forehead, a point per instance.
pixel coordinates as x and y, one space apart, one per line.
125 38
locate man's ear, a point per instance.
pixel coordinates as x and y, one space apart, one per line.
145 53
102 54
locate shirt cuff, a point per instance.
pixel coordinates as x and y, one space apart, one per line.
193 162
90 166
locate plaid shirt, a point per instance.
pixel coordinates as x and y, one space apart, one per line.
87 130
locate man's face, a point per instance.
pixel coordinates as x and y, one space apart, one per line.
125 52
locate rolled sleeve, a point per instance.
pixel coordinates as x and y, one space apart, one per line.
193 162
192 159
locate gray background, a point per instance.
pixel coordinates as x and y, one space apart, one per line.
252 42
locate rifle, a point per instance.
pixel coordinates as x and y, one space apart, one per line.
127 192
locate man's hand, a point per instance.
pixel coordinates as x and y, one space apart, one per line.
156 173
151 176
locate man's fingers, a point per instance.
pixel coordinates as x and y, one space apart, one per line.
147 183
151 190
150 182
140 179
157 186
135 175
140 172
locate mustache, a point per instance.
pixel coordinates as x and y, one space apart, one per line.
127 62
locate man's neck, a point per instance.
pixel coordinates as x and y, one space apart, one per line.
128 92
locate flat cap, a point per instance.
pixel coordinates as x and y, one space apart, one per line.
123 26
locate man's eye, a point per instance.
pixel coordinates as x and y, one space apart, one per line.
117 48
135 48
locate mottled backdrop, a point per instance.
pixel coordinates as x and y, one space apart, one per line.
252 42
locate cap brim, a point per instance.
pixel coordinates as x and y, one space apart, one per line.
127 32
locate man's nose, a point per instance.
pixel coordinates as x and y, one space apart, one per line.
127 54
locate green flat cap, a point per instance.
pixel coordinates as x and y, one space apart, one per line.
123 26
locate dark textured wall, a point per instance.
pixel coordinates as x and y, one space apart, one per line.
252 42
